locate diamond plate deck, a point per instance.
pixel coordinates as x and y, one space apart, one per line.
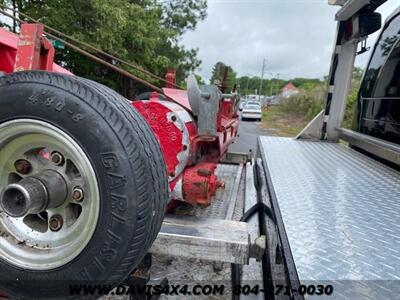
340 209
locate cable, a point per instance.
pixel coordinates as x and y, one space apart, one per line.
91 56
236 271
90 46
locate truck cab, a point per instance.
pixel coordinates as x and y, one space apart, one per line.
378 105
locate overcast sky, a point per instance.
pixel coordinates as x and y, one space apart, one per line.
295 36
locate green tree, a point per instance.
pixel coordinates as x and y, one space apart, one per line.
200 80
144 32
350 112
182 15
218 73
357 73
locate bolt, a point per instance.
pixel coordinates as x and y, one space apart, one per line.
173 118
77 194
23 166
57 159
56 223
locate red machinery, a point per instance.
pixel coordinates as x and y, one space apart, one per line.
193 128
191 155
85 175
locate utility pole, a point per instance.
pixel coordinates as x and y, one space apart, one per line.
261 81
271 84
277 84
247 86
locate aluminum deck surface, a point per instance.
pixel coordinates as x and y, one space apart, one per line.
340 209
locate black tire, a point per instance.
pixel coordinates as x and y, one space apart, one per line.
108 125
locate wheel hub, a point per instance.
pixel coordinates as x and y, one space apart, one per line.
34 194
49 196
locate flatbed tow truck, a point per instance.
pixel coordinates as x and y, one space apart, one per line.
307 216
335 208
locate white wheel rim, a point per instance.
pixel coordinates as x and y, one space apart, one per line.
24 242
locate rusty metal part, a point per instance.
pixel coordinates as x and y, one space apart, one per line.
170 79
23 166
57 159
33 52
56 223
78 194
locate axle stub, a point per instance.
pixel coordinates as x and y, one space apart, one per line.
34 194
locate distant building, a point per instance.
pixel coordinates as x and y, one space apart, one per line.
289 90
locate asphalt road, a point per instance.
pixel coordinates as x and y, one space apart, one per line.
249 131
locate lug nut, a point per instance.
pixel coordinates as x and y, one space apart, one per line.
57 159
23 166
77 194
56 223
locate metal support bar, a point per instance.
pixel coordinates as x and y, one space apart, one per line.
342 82
207 239
350 9
234 194
378 147
34 52
236 158
313 129
342 64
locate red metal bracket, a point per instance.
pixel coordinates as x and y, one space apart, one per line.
170 79
34 52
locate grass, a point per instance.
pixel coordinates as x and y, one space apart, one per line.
280 123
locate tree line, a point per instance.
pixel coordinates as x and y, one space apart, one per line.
145 32
251 84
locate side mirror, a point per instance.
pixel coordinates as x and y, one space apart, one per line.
369 23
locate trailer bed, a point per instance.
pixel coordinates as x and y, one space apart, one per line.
197 245
340 210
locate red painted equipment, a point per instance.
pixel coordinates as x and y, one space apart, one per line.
34 52
198 184
194 128
28 51
170 78
190 158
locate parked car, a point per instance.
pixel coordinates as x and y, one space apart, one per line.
252 110
241 105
